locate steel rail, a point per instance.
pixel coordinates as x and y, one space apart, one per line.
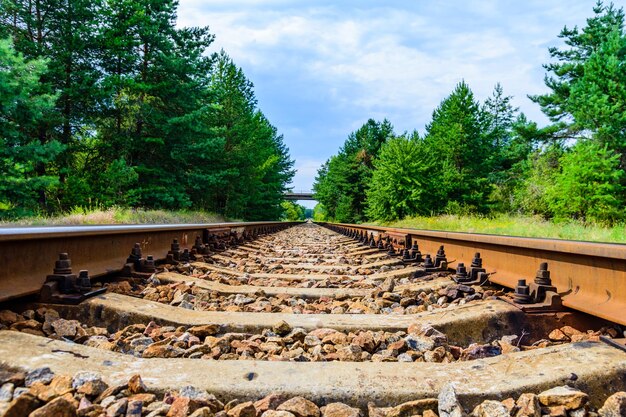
28 254
591 277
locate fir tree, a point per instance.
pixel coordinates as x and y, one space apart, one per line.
399 185
22 108
456 138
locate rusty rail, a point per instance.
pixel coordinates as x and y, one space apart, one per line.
27 255
591 277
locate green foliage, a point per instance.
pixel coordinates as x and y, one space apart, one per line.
251 180
586 81
145 116
568 68
587 103
588 185
23 183
471 160
464 153
598 98
107 104
116 215
341 183
488 158
319 213
539 171
510 164
516 225
292 212
399 183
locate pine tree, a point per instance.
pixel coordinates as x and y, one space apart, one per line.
64 33
342 182
144 116
587 187
598 98
456 138
273 171
569 69
233 121
588 97
400 181
22 108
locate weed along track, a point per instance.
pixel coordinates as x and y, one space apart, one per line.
308 320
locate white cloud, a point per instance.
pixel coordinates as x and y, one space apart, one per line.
372 54
366 61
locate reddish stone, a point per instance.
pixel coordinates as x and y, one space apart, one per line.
182 407
59 407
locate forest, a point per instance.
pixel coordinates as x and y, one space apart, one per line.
487 157
108 103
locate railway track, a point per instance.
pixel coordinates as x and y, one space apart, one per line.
299 320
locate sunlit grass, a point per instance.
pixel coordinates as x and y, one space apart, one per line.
116 215
516 226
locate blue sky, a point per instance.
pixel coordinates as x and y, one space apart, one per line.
322 68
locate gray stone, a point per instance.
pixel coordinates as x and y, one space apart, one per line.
196 394
241 299
6 392
179 297
89 383
388 285
29 314
43 375
405 357
140 342
202 412
66 328
448 405
528 406
81 378
339 410
510 339
581 412
312 340
118 408
420 343
282 328
157 405
427 330
274 413
475 351
160 411
101 342
300 407
134 409
107 401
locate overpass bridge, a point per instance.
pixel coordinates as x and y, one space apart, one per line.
299 195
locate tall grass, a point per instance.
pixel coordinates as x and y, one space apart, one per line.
117 215
513 225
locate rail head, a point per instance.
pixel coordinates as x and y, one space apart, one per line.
48 232
590 276
28 255
583 248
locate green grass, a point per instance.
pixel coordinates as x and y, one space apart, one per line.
117 215
516 226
